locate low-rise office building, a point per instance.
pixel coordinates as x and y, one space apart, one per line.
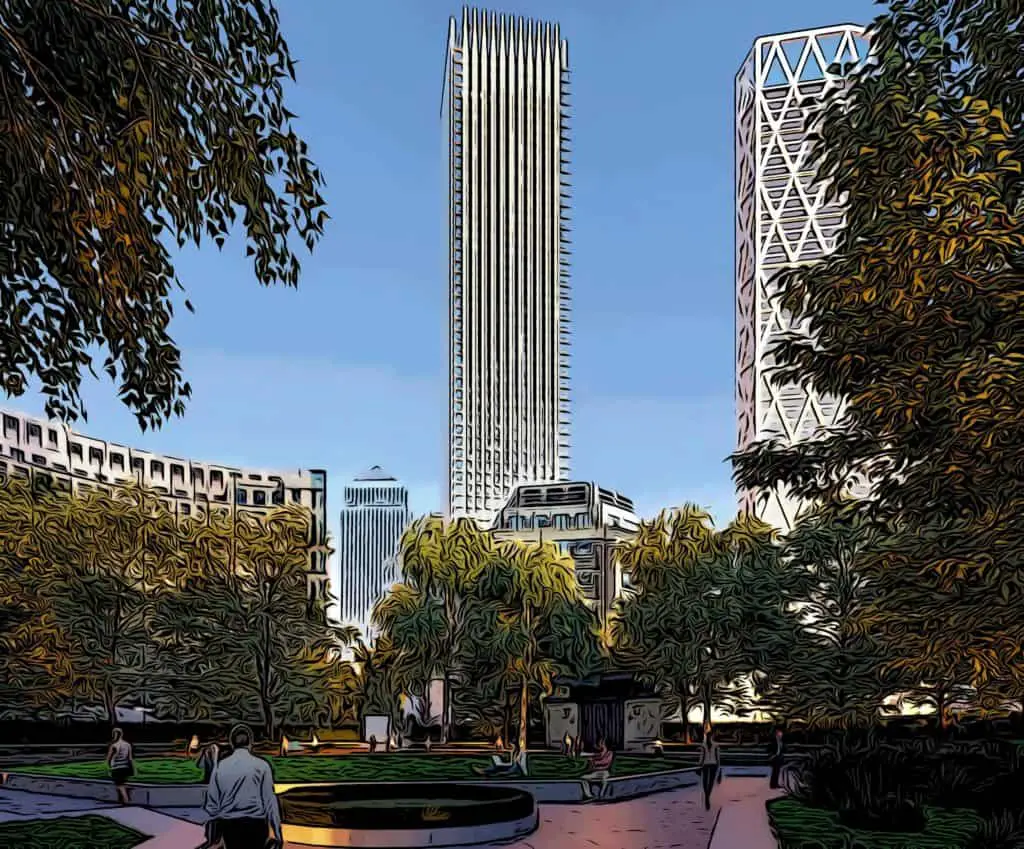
585 520
37 449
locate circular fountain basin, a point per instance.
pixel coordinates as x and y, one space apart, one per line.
398 815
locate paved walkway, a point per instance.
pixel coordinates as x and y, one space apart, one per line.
672 820
166 832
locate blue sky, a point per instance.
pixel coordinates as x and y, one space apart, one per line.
348 371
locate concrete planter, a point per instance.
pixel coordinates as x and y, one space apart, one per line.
147 795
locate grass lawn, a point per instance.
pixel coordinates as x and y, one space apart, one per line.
798 826
357 767
88 832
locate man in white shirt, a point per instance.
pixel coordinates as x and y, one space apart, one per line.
241 797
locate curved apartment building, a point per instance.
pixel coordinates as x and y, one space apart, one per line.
40 449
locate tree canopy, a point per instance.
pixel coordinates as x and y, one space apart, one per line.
108 599
916 321
706 608
484 615
130 126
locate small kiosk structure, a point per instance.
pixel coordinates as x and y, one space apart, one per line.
615 706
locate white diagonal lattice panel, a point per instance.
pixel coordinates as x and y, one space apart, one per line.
782 220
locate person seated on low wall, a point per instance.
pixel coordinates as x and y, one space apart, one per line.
515 767
599 770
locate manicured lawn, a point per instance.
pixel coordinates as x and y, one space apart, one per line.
358 767
799 826
88 832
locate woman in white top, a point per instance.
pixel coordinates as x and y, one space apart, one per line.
710 763
121 762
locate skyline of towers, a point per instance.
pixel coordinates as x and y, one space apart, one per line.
375 515
504 106
782 220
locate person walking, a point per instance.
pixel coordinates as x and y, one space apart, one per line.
241 799
121 762
710 763
777 759
207 761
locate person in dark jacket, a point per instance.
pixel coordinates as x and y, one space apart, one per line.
710 763
777 759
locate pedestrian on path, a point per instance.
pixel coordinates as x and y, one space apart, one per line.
121 761
207 761
777 760
710 763
241 797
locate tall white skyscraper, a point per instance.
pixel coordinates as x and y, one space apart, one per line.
505 101
782 220
375 515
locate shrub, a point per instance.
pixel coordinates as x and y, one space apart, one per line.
862 777
1004 830
869 776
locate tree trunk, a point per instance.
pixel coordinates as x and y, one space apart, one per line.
524 711
706 704
941 697
684 711
110 704
445 705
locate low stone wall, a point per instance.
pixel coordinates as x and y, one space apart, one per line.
147 795
565 791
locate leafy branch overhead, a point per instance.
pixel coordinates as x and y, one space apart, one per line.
130 125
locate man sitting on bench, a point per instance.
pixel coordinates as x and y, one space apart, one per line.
599 771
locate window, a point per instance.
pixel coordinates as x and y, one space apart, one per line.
563 521
76 449
197 476
177 471
117 461
96 455
543 521
277 496
35 432
296 495
51 434
241 497
255 477
581 520
138 463
18 454
156 467
259 498
39 459
186 509
10 423
216 478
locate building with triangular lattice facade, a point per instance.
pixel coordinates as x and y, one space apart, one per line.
782 220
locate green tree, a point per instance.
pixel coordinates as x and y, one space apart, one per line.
131 124
916 321
425 614
700 608
112 555
831 670
531 623
253 633
33 656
